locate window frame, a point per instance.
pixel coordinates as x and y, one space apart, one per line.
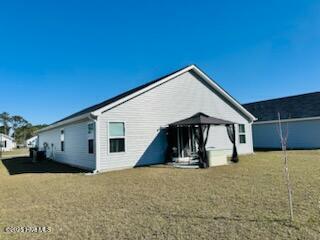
91 137
117 137
93 128
242 133
89 152
62 145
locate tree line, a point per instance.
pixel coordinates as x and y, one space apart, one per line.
18 127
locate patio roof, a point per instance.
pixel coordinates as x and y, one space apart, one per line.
201 119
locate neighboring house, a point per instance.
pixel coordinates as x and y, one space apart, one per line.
300 115
6 143
131 129
32 142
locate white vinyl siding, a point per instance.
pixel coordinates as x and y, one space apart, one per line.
7 143
301 135
76 145
147 116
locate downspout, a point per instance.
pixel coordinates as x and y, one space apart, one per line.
251 137
97 141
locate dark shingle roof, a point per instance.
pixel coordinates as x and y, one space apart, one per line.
201 119
116 98
298 106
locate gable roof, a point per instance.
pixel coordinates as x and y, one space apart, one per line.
99 108
32 138
292 107
115 98
6 136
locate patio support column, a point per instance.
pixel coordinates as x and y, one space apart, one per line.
170 140
232 136
200 131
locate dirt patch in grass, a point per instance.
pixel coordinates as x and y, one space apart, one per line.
241 201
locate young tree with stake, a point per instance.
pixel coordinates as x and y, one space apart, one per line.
284 141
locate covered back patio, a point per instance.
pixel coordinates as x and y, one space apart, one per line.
187 139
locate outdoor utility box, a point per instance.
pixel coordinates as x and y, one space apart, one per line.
217 157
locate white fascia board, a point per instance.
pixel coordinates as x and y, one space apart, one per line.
68 121
288 120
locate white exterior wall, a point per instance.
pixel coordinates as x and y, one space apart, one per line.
75 145
146 114
32 142
9 143
302 134
218 138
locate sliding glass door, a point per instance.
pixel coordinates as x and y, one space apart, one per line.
185 142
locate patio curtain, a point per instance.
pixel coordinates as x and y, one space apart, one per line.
201 133
171 134
232 136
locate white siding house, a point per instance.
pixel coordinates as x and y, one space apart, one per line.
300 117
130 129
6 143
32 142
303 134
69 144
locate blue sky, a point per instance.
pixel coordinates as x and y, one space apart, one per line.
57 57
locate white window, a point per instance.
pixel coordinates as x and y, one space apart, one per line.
242 134
116 137
90 128
90 146
62 140
90 138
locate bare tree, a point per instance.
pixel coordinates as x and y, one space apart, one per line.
284 143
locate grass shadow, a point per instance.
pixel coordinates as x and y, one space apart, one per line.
281 221
21 165
284 222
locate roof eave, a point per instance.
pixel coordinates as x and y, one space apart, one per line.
112 105
287 120
68 121
172 76
191 67
7 136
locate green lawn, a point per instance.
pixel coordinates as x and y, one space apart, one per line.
242 201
